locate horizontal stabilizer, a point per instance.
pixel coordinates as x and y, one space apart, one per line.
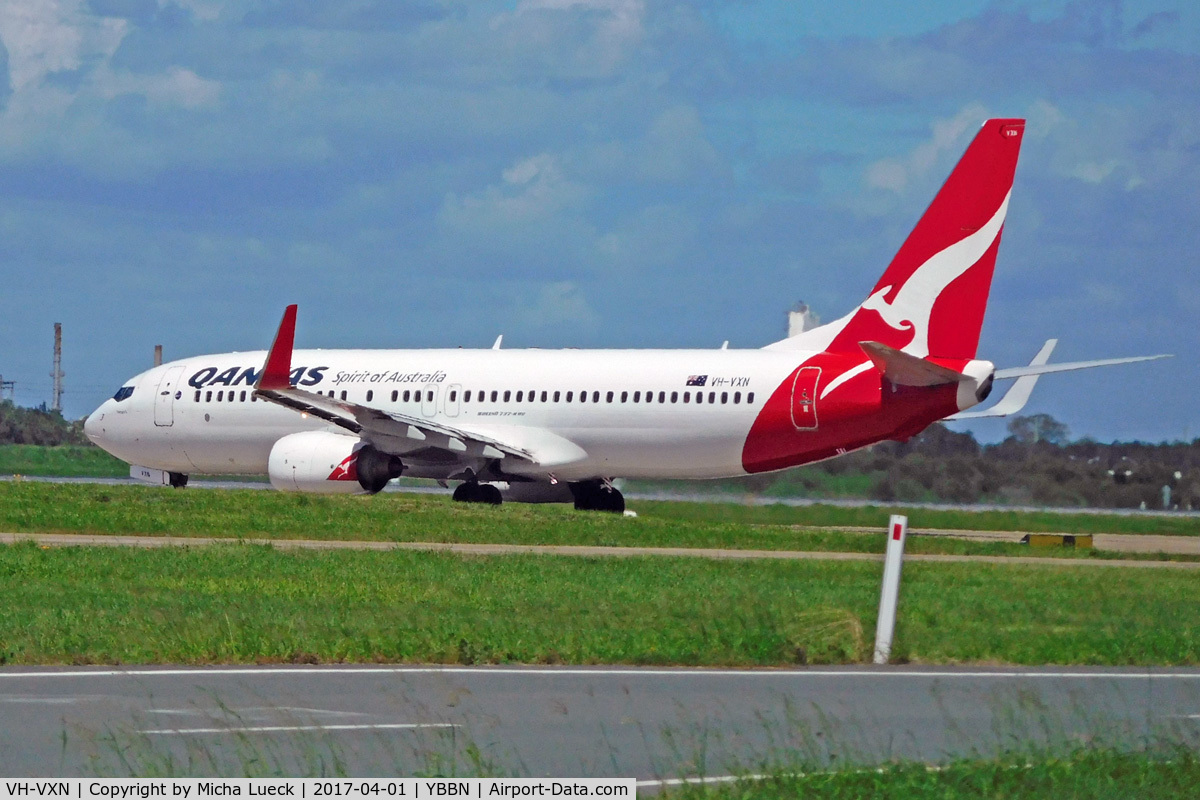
1017 372
904 370
1018 394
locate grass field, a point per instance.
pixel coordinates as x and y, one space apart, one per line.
246 603
66 461
41 507
1104 773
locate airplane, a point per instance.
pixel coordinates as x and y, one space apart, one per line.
561 425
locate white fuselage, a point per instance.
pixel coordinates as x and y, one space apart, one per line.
628 413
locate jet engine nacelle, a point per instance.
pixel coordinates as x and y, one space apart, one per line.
321 462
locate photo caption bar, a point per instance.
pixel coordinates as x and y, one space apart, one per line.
306 788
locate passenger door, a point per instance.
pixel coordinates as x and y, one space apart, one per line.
164 400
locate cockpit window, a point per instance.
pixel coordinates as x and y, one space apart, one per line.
123 393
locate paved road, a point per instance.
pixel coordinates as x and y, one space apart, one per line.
589 551
571 722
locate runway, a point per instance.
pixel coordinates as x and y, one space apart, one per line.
563 721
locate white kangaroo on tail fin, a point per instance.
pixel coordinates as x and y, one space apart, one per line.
913 304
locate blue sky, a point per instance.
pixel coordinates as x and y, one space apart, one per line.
601 173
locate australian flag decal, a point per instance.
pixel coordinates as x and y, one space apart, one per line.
697 380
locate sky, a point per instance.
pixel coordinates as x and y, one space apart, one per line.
588 173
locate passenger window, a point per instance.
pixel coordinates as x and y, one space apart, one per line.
467 396
370 395
687 397
724 398
569 396
674 397
583 397
507 395
453 396
595 397
208 397
519 396
220 396
699 397
395 395
406 395
243 398
750 397
556 397
637 397
343 394
737 397
531 396
608 398
624 397
649 397
544 395
494 395
662 397
429 395
197 396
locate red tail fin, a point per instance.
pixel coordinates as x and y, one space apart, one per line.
932 298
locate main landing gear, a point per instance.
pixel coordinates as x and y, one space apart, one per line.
177 480
598 496
475 492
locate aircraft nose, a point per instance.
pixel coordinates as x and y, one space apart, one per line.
91 426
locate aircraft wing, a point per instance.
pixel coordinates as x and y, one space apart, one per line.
391 431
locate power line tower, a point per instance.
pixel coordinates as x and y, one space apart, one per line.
8 388
57 374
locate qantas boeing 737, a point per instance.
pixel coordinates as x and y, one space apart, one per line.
560 425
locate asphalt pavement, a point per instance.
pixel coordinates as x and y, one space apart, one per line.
648 723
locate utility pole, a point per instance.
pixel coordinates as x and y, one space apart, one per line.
158 355
8 386
57 374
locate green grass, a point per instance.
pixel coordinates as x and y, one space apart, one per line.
65 461
247 603
1094 775
41 507
945 519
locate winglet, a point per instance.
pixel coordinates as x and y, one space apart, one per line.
276 372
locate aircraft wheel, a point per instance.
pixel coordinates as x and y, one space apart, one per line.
614 501
488 494
466 492
598 497
177 479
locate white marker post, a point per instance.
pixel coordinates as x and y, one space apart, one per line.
885 626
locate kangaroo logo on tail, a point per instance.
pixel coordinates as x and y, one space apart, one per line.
912 305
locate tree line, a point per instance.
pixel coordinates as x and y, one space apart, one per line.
19 425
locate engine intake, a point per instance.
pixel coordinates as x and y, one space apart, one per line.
321 462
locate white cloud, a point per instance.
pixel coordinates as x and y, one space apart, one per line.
897 174
553 305
50 36
176 86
